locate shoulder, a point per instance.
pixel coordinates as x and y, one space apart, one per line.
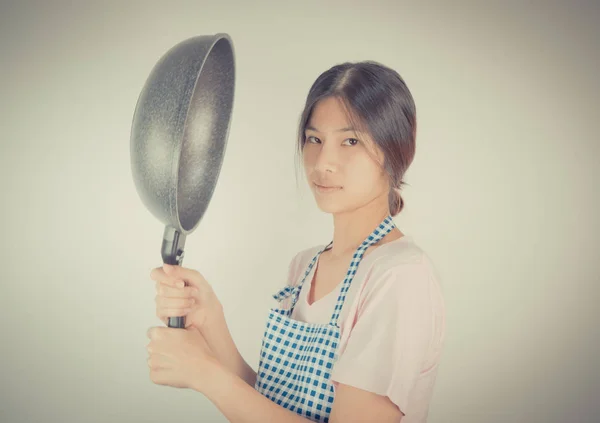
400 255
400 267
305 255
300 261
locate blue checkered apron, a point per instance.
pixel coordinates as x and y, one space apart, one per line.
297 358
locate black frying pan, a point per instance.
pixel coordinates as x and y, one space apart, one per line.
179 134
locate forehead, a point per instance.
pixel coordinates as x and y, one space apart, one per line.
329 115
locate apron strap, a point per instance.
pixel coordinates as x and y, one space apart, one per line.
295 289
378 233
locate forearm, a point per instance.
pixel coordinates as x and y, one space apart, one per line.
241 403
223 347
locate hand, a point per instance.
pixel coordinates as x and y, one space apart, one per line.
180 358
193 298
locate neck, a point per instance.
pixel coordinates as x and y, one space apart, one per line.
352 228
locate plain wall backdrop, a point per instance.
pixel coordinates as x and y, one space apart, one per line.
504 195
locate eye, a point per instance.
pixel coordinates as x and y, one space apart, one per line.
353 141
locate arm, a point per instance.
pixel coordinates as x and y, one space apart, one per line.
223 347
240 403
221 343
389 345
357 405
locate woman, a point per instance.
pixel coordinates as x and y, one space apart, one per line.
359 328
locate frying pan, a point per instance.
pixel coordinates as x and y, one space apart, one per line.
179 135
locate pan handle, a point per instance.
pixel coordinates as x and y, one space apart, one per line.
172 253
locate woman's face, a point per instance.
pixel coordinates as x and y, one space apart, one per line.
346 161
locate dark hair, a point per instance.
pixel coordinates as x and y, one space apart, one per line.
378 102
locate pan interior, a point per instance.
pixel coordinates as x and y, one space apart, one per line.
205 134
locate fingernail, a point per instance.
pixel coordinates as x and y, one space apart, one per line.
180 284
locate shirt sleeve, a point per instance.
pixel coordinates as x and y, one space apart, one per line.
388 344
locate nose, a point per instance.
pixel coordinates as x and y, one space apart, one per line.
327 158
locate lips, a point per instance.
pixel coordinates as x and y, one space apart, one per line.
326 185
326 188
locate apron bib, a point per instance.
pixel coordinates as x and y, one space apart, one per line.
297 358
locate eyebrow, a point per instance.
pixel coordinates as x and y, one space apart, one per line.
312 128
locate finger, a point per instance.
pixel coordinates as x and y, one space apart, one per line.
173 283
158 274
165 314
198 320
161 376
163 302
173 307
173 312
153 333
156 377
190 276
158 362
168 291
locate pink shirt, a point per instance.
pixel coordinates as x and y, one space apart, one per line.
392 323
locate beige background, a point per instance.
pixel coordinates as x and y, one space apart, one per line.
503 195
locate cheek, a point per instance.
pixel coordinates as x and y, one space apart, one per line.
364 178
308 157
361 170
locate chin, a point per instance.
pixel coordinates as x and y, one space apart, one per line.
330 206
328 203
